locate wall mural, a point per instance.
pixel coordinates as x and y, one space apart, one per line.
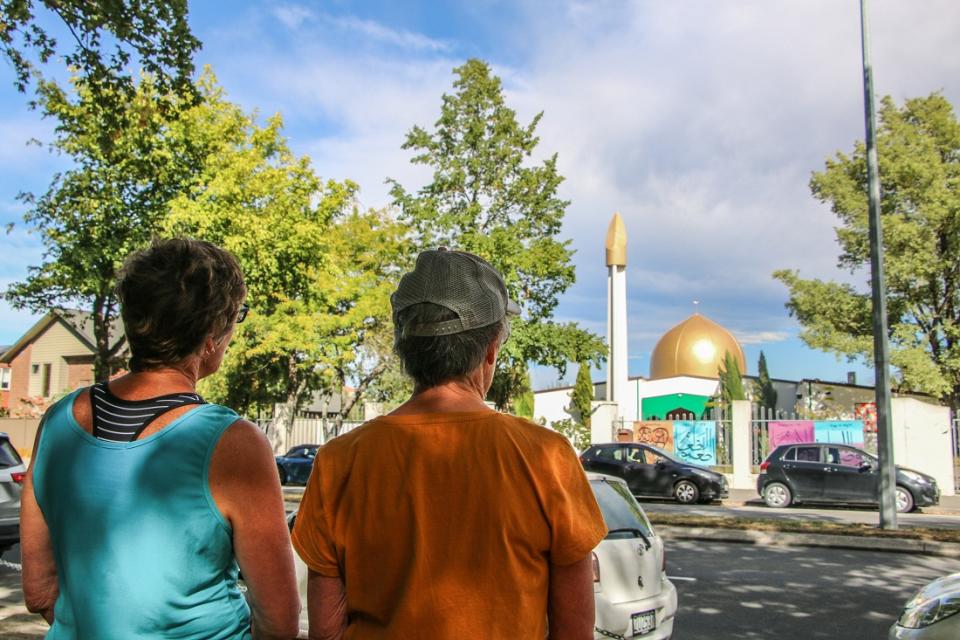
848 432
657 433
695 441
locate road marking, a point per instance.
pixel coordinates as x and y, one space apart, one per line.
9 565
682 579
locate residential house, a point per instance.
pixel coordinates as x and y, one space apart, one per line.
53 357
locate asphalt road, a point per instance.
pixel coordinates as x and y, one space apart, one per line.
739 591
823 514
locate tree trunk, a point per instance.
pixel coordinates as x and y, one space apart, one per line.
101 334
281 425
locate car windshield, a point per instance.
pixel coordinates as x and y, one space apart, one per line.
620 510
8 455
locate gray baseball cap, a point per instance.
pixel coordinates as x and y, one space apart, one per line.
463 283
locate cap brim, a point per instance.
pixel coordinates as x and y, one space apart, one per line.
513 309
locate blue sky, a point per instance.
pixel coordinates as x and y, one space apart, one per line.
700 122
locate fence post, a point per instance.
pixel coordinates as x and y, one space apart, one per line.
741 445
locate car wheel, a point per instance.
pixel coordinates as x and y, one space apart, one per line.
904 500
283 475
686 492
777 495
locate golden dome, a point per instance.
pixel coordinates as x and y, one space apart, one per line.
695 347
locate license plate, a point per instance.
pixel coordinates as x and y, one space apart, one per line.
643 623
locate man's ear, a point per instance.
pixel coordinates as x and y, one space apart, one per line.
492 350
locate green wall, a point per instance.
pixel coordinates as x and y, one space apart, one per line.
658 406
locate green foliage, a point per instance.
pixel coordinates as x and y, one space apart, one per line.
577 433
919 154
485 197
764 392
731 382
582 395
110 202
523 403
111 41
319 272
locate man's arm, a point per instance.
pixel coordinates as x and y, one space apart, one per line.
570 605
327 607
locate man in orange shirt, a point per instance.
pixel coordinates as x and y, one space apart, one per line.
446 519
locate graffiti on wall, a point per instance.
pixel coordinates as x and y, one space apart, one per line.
790 432
658 433
695 441
848 432
866 411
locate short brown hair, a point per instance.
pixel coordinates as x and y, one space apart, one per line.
173 295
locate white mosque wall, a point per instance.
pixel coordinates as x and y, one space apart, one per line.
921 439
550 405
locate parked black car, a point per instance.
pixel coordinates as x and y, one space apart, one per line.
295 465
836 473
650 471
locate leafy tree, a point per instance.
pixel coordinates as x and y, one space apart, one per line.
582 397
486 198
107 204
577 433
107 37
764 392
731 382
318 271
919 152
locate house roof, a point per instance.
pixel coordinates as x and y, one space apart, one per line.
79 323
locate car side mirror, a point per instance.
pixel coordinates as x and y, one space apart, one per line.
659 463
865 467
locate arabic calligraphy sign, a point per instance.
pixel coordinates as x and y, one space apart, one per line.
658 433
695 441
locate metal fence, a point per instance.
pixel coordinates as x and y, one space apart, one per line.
312 430
760 420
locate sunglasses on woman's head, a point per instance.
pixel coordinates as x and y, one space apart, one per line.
242 313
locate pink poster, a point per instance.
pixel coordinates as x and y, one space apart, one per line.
790 432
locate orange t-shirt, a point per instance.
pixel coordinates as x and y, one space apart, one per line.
444 525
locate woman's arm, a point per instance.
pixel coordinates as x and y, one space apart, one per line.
40 586
246 487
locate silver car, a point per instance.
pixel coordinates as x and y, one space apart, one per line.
932 613
12 472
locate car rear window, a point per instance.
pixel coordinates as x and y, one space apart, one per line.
620 509
8 455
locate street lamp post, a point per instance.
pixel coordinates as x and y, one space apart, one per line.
888 480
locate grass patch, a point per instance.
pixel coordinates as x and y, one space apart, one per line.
804 526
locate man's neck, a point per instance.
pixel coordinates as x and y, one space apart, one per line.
455 396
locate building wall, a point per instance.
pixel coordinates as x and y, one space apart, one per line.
550 405
5 392
52 347
921 439
20 377
79 374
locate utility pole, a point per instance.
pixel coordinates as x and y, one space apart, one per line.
887 471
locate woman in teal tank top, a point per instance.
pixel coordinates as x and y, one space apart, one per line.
142 501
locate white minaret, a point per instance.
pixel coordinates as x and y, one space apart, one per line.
617 312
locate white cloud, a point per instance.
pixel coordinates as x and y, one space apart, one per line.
761 337
292 16
397 37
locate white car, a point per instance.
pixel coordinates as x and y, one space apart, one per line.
12 472
932 613
633 597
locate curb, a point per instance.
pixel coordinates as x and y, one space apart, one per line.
788 539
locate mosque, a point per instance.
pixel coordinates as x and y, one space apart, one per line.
684 377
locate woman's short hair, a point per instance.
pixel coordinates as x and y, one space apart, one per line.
175 294
433 360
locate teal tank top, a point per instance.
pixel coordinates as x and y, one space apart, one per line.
142 550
